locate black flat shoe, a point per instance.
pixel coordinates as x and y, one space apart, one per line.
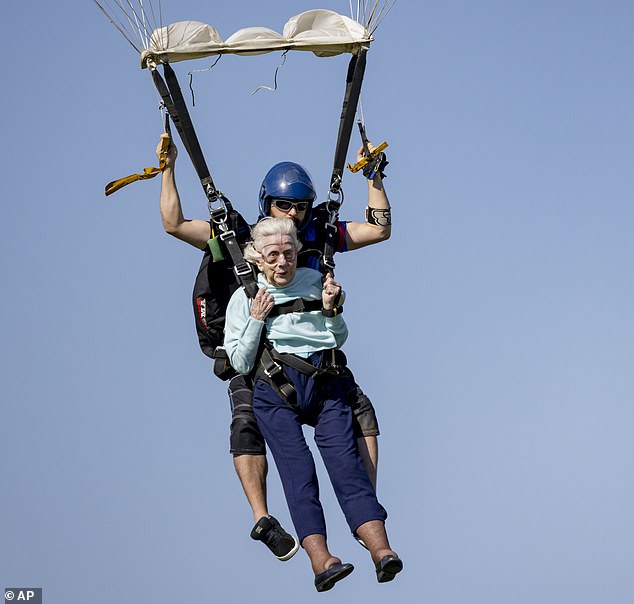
388 568
326 580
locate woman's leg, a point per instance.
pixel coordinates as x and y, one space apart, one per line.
365 515
282 429
335 438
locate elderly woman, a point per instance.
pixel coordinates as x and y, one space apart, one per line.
303 340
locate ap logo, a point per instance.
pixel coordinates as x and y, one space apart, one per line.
32 595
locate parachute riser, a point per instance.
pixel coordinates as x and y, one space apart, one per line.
219 206
174 103
354 81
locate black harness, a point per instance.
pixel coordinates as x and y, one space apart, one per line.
270 369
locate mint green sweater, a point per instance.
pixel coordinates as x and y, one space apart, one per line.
300 333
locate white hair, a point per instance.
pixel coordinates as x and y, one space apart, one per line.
265 228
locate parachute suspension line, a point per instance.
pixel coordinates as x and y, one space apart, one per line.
140 21
158 23
145 22
362 10
274 76
352 13
373 22
121 27
368 19
135 20
191 77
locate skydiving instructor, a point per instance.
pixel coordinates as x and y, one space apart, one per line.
287 190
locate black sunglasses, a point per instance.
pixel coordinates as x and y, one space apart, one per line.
285 205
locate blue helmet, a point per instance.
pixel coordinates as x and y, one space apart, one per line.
286 180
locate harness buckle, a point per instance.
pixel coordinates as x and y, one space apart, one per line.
272 369
241 272
226 234
328 262
334 201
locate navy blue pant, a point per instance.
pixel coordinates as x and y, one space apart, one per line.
320 404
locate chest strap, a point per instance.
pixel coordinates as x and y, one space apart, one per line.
297 305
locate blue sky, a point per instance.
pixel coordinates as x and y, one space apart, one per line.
494 331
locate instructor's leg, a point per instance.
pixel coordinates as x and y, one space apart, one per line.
249 460
252 471
365 424
247 446
369 450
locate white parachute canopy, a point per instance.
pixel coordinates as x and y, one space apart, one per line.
323 32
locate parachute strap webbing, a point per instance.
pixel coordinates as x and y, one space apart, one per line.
297 305
242 269
270 368
115 185
174 103
354 81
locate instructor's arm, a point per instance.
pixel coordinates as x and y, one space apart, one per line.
194 232
360 234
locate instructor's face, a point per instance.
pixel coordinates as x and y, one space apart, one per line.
278 259
297 216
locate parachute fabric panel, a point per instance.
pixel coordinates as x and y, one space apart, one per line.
323 32
326 33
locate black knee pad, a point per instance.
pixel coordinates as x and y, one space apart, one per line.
245 437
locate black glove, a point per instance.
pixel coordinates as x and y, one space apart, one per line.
376 166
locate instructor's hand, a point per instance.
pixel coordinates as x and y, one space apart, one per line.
172 152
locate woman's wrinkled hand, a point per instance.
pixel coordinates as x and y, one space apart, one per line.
330 292
262 305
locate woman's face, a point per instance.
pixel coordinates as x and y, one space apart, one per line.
278 259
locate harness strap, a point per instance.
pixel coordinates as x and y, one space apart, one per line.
270 367
354 81
242 269
174 102
273 373
297 305
183 122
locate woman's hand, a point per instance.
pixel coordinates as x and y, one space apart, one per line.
262 305
330 292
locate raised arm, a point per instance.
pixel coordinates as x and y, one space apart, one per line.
377 226
194 232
